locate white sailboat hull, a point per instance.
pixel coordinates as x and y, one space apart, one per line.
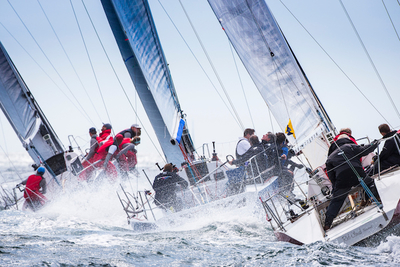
307 229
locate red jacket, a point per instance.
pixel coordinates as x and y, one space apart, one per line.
104 134
349 135
124 141
32 184
102 151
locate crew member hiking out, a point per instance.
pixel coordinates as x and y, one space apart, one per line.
165 185
34 198
89 159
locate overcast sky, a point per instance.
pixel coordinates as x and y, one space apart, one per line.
58 89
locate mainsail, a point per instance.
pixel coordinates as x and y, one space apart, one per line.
262 47
26 117
137 39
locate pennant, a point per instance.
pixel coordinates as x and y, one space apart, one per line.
289 129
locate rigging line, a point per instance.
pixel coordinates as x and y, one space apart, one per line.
48 76
119 81
15 169
54 68
370 59
334 62
90 60
241 84
69 60
391 21
213 67
198 62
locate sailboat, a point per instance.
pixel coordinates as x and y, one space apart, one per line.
210 179
32 127
263 49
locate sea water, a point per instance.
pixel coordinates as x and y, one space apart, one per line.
87 227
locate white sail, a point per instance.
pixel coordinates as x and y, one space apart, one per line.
263 49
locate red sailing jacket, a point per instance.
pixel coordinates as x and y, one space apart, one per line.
33 184
104 134
103 150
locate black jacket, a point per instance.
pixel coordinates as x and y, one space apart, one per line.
390 155
165 184
339 171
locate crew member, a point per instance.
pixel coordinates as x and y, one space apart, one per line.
243 144
344 169
165 185
135 130
89 159
389 155
126 156
35 187
105 133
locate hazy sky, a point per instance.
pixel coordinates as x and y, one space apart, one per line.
58 89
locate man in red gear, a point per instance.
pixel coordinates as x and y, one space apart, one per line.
105 134
34 198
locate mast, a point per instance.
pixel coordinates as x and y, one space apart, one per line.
135 33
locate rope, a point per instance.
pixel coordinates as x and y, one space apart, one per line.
70 62
370 60
198 62
90 61
213 67
54 68
334 62
391 21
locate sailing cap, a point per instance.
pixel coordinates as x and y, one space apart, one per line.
135 125
92 130
119 137
108 126
41 170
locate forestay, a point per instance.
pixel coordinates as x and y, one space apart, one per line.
263 49
137 38
24 114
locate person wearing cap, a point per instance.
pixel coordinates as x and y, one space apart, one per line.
35 187
105 133
126 156
89 159
165 185
131 132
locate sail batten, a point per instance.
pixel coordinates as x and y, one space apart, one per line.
264 51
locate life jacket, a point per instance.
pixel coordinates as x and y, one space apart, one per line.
349 135
126 131
124 141
32 185
103 150
105 135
